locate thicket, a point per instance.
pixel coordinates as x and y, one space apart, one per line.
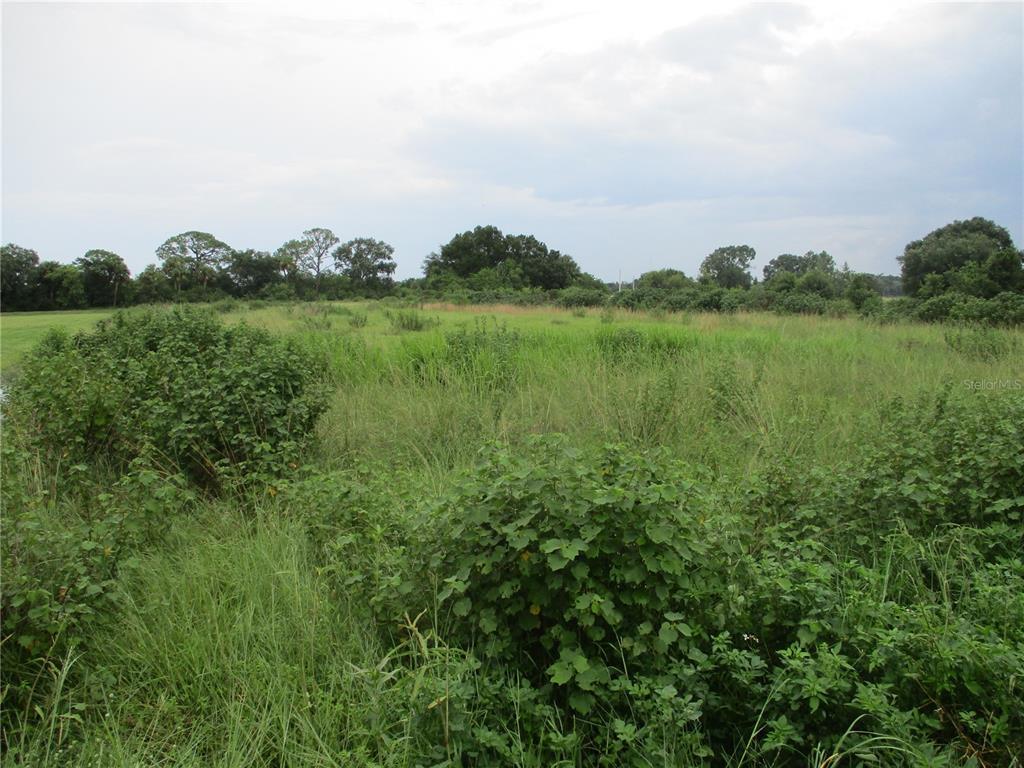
872 612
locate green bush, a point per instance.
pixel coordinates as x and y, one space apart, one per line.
214 401
587 573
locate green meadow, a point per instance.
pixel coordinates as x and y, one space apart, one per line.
532 537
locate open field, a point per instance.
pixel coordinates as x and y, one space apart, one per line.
19 331
759 540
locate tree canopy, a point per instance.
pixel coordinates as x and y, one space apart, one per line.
727 267
976 256
201 252
799 265
18 268
368 263
513 258
104 273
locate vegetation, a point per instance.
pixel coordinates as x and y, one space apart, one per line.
554 537
968 272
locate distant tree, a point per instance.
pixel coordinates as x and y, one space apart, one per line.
288 257
516 261
889 285
152 286
541 266
252 271
953 247
727 267
103 274
818 282
177 269
799 265
467 253
860 288
665 279
203 253
313 260
368 263
18 277
588 281
60 286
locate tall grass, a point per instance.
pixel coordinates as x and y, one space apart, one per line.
238 645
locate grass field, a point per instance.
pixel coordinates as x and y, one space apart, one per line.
19 331
851 594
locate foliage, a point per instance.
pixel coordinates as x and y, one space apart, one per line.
17 276
514 257
963 255
582 571
368 263
104 275
215 401
727 267
194 254
788 263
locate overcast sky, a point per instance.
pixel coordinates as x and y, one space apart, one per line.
631 135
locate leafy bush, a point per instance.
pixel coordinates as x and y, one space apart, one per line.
575 296
214 401
61 557
588 573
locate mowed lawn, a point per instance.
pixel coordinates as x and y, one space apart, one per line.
20 331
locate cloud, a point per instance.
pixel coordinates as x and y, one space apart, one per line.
608 130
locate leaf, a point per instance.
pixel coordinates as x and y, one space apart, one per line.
560 673
668 633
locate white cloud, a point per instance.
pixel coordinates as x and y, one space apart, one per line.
664 128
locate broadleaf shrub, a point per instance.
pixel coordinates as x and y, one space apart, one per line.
586 572
214 401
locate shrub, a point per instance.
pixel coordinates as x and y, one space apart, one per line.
576 296
586 572
214 401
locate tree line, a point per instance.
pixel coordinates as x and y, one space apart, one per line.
197 266
960 268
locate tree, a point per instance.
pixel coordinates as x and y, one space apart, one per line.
177 269
727 266
954 246
541 266
468 253
252 271
860 288
103 275
313 259
288 257
816 281
665 279
18 268
59 286
515 260
368 263
799 265
153 286
203 253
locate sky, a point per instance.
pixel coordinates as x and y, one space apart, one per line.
631 135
